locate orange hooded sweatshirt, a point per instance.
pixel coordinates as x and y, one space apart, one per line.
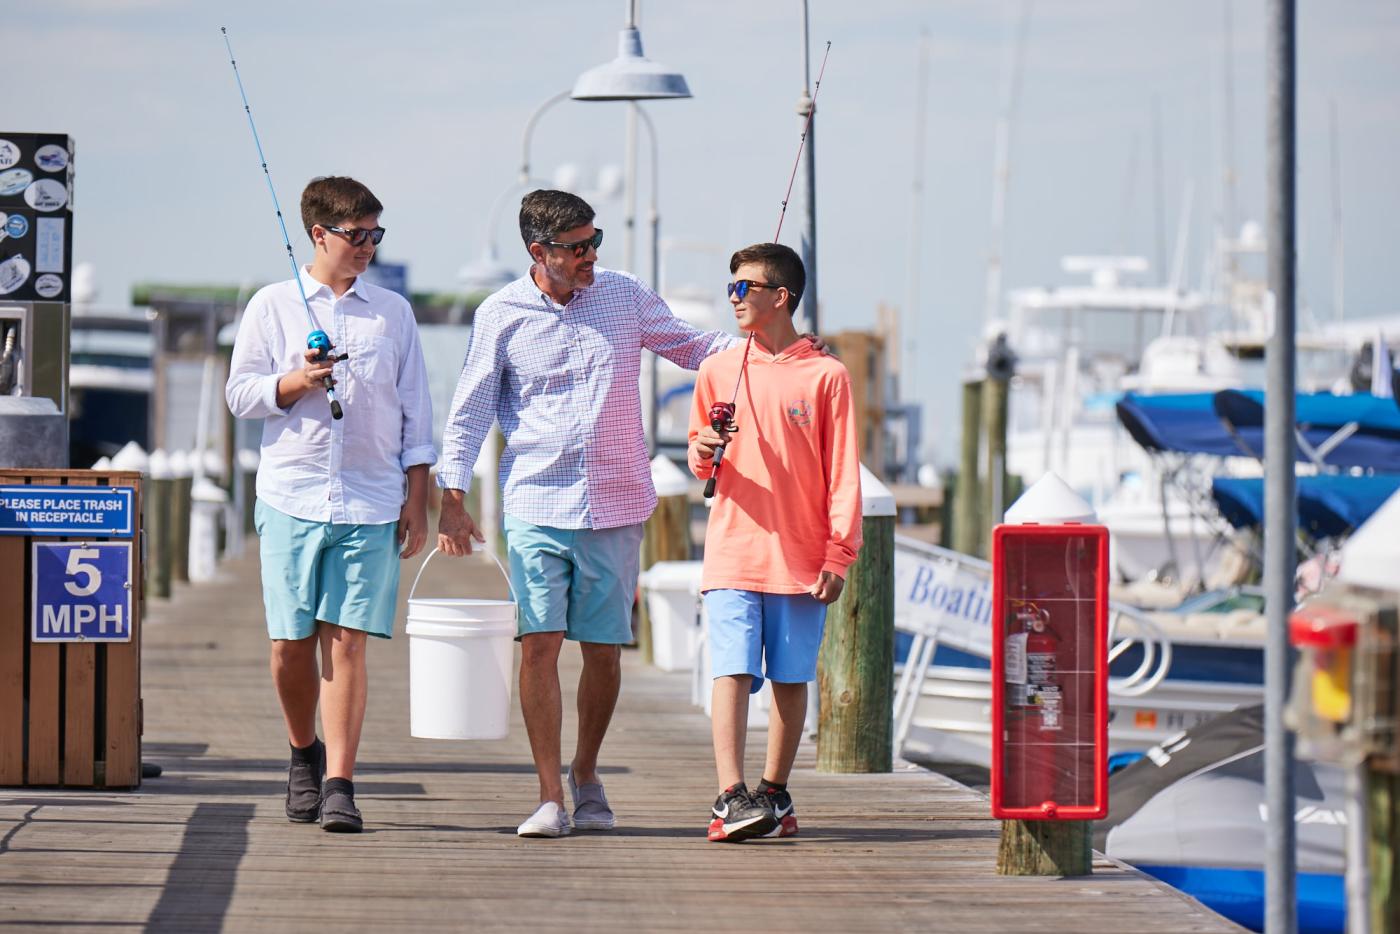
787 502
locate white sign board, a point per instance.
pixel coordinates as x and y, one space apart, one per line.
945 594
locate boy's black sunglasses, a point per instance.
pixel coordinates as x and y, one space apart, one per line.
357 235
741 288
580 247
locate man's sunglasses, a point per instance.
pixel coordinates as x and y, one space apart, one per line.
741 288
358 235
580 247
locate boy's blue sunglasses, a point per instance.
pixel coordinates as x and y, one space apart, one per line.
741 288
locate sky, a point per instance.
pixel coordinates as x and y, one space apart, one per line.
426 102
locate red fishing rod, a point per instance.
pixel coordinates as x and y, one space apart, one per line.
722 413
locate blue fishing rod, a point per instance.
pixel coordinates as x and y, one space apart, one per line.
318 340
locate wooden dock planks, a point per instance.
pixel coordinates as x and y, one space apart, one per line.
206 847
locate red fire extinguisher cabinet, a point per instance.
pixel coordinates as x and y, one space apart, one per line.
1049 672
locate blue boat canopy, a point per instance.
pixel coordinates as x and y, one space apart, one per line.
1328 505
1333 431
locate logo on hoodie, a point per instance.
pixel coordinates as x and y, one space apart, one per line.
799 413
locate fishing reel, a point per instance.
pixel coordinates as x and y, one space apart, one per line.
320 342
721 419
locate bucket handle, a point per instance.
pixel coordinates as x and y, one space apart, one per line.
424 566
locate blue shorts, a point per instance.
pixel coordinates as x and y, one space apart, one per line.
337 572
581 582
773 635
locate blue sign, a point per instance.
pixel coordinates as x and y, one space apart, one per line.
391 276
82 592
65 510
16 226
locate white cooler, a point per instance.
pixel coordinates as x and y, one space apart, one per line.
672 591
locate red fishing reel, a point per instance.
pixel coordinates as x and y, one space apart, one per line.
722 417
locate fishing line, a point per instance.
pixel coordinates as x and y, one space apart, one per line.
722 413
811 111
317 340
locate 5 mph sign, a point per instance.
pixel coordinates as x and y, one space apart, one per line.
82 592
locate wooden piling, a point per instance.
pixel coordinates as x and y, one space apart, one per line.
855 670
158 522
995 395
180 518
665 537
1045 848
968 534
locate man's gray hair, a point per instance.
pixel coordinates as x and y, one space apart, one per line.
545 214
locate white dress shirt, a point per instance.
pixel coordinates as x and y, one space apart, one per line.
314 467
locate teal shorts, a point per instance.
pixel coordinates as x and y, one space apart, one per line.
580 582
336 572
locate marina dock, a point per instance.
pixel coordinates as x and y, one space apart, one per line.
205 846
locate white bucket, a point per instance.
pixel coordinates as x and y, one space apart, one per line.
460 660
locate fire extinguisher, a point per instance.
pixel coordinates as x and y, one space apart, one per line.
1036 689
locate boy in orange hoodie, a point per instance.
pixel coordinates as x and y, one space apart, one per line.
784 527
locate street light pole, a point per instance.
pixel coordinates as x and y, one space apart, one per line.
1280 452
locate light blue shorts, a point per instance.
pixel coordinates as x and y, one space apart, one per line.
773 635
581 582
340 573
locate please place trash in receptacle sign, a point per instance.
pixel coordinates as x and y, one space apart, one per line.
82 592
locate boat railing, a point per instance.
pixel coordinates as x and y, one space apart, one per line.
923 571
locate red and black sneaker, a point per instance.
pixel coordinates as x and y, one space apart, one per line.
779 802
737 816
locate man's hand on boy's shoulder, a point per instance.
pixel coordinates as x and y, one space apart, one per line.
827 588
820 343
707 440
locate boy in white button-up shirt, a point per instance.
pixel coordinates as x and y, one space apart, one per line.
340 501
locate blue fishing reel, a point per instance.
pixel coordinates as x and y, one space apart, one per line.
320 342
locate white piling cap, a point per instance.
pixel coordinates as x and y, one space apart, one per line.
180 464
1372 553
876 498
668 479
102 463
131 457
1050 502
159 465
213 464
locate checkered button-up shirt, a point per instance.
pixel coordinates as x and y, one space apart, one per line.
562 380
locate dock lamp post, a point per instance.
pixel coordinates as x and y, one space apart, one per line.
633 77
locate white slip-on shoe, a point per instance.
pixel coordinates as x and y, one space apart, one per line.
549 820
591 809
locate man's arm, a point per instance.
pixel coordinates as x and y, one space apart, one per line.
677 340
472 414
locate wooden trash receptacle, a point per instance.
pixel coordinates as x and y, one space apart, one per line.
70 703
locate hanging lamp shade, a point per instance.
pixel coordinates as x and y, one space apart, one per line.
630 77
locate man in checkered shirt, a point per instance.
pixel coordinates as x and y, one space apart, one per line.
555 358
